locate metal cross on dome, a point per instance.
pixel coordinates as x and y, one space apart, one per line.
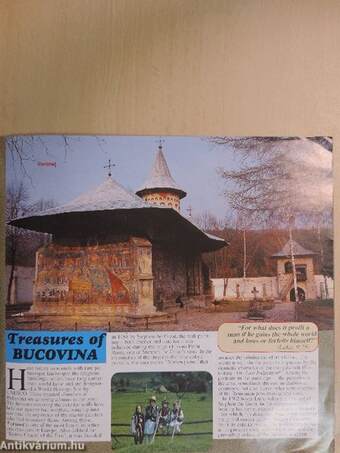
160 142
109 166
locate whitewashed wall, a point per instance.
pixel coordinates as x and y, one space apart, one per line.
266 287
24 276
320 286
22 291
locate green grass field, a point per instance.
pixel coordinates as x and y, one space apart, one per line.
196 406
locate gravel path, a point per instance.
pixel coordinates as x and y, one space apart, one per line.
200 320
191 320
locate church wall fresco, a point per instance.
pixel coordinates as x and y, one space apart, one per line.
81 275
126 275
94 279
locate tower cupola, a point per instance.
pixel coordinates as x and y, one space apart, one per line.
160 188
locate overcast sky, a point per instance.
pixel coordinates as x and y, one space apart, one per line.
193 163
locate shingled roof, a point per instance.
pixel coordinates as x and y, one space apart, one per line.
110 208
108 195
298 251
160 177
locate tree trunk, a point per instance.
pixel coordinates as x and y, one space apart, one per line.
10 282
326 286
244 254
225 286
293 264
322 259
244 262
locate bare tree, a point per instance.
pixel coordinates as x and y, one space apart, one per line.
17 198
22 148
207 221
21 243
277 178
280 179
263 144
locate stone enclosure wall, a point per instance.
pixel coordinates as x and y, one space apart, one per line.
22 286
267 288
238 288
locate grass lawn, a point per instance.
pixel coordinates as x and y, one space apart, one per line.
321 312
196 406
319 303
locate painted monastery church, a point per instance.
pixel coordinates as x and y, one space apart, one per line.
120 256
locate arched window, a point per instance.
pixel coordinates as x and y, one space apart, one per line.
288 267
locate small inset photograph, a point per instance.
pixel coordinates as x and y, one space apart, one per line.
161 411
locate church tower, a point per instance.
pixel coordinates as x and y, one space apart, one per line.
160 188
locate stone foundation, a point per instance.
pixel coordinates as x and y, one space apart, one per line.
118 322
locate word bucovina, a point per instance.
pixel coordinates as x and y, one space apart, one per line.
54 354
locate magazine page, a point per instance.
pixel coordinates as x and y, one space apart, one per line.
169 293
